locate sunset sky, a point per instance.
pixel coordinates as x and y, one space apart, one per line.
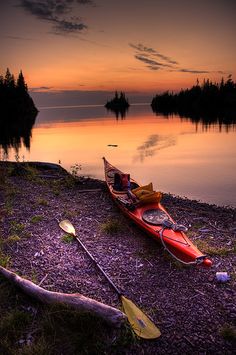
103 45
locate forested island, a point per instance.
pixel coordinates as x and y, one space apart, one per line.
119 101
119 104
209 100
15 100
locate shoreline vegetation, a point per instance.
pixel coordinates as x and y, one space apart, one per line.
34 197
209 102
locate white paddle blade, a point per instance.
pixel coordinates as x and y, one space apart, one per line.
140 323
67 227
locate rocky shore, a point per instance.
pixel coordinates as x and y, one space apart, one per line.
195 313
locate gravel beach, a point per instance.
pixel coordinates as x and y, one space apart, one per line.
188 304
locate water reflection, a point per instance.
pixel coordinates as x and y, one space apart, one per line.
15 132
166 151
120 112
226 120
153 144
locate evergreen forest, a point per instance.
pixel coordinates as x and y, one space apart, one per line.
207 101
15 100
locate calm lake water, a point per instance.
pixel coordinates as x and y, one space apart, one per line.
178 156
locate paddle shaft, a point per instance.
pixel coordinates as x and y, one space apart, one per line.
140 323
98 266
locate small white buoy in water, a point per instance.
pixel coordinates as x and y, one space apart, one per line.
222 276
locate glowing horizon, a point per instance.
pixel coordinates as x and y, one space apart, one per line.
106 46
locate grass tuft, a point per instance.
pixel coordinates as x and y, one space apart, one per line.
36 219
66 238
111 226
8 209
4 259
228 332
205 247
42 202
12 239
17 227
56 191
68 214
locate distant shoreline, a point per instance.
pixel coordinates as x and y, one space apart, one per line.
87 106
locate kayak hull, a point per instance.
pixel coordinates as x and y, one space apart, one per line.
143 215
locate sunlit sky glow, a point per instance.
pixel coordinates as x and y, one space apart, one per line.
146 46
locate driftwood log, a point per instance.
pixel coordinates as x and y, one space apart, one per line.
77 301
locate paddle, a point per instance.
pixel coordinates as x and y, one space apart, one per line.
140 323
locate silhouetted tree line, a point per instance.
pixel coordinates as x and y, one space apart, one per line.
207 101
15 100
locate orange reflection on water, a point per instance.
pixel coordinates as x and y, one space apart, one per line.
173 154
86 142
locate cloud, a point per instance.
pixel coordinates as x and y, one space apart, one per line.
148 56
146 60
152 64
143 49
68 26
55 12
167 59
41 89
193 71
46 10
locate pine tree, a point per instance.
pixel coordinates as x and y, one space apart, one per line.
9 80
21 85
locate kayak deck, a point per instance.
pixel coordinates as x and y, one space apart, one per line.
155 221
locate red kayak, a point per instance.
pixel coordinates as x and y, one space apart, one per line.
142 205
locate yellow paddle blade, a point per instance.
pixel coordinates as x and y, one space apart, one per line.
67 227
140 323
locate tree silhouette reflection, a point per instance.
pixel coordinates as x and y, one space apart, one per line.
16 132
208 104
119 112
